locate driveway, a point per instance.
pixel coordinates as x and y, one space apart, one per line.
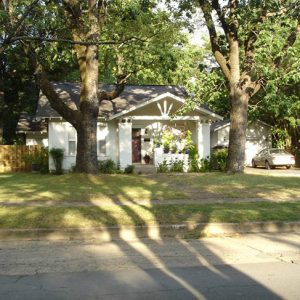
279 172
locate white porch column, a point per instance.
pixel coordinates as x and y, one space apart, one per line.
203 139
125 144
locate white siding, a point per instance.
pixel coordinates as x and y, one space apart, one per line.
258 138
37 139
203 139
125 144
58 138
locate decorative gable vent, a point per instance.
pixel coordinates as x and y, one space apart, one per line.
165 110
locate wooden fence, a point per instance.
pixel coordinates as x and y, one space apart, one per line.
11 157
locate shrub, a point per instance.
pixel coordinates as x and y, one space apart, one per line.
194 165
163 167
38 160
205 164
57 155
107 166
219 159
177 166
129 169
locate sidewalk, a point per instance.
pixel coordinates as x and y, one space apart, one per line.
260 266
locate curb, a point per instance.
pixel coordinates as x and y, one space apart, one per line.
155 232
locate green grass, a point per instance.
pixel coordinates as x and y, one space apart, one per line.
221 185
79 217
81 187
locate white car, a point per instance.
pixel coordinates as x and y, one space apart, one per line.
273 157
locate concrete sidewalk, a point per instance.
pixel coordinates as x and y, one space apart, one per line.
261 266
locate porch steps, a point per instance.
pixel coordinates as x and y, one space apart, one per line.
144 169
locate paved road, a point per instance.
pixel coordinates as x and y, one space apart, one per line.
278 172
260 266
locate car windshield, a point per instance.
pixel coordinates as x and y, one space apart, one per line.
278 151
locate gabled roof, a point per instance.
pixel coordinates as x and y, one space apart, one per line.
28 123
219 125
224 123
202 109
130 97
133 96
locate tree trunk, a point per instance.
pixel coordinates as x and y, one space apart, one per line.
237 134
86 158
295 137
1 128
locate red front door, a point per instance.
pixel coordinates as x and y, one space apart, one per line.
136 145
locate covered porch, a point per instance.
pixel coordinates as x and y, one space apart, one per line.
141 138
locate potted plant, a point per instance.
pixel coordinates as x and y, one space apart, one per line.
166 147
173 148
167 139
156 142
147 159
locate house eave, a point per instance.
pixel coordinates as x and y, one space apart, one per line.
160 97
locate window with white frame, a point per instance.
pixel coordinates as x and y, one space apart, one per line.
72 140
102 139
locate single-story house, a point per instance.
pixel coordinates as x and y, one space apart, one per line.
258 137
128 126
34 130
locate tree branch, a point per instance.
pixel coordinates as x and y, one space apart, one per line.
221 15
72 42
17 26
207 12
289 43
121 79
71 115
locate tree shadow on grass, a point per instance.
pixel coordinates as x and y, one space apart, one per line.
184 271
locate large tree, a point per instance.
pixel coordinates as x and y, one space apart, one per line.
87 26
234 30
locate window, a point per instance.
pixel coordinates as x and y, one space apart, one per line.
102 136
72 140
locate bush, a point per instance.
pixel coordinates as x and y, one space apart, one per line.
57 155
129 169
176 166
163 167
38 160
107 166
219 159
194 165
205 165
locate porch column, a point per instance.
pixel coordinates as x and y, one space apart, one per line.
125 143
203 139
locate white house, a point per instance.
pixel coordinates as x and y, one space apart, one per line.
127 125
258 137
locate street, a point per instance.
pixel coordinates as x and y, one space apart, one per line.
261 266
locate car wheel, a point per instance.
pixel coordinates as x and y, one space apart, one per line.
288 167
253 164
267 165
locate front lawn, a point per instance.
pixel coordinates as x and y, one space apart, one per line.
220 185
28 187
80 217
